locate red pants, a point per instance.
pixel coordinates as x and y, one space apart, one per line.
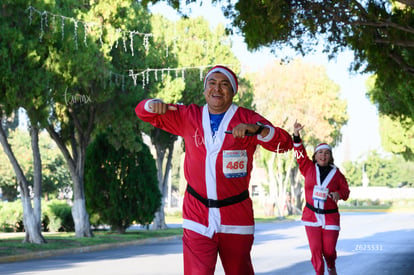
200 253
322 244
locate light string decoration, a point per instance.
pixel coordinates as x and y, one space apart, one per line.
145 74
87 26
119 79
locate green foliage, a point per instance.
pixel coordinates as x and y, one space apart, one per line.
57 217
11 216
245 95
397 136
64 67
353 173
121 186
55 175
391 171
378 32
381 171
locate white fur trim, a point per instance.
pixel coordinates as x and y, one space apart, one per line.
147 107
237 229
269 136
323 146
226 73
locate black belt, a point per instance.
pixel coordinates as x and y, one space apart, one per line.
321 211
218 203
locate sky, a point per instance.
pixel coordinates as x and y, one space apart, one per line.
360 135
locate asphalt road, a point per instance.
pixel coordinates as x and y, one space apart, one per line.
369 243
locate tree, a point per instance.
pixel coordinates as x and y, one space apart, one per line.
388 171
8 183
353 172
397 136
55 176
381 170
304 92
22 61
379 33
67 84
121 186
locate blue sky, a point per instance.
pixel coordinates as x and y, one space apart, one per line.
361 133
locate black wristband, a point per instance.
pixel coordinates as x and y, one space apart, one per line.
261 127
297 139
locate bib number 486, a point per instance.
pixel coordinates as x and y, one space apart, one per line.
235 165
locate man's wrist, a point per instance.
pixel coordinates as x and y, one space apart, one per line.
260 129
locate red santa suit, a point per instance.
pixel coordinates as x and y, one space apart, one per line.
321 217
217 167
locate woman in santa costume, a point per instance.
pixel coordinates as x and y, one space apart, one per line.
324 186
220 140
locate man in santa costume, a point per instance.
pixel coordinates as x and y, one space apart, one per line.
217 210
324 186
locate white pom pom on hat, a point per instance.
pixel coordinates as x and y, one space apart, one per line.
227 72
323 146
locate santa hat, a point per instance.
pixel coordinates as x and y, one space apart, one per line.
227 72
323 146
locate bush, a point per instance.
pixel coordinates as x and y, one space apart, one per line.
121 186
11 216
58 217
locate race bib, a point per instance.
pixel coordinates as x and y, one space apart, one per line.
234 163
320 193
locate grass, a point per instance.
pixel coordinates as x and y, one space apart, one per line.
12 243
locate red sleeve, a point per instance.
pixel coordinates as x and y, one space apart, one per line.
281 141
343 188
168 122
302 158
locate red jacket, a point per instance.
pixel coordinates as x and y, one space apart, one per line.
204 158
335 182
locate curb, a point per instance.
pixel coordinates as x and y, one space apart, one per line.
84 249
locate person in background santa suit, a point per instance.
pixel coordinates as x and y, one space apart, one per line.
217 210
324 186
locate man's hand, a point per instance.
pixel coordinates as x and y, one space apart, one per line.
242 129
161 108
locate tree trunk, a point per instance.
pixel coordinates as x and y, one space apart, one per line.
281 186
81 219
296 191
31 217
76 165
79 213
159 219
270 203
276 184
279 167
32 225
33 222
